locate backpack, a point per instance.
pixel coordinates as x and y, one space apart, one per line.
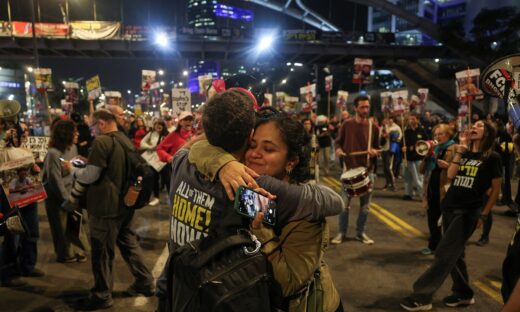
136 167
219 274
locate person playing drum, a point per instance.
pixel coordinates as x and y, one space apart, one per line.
358 144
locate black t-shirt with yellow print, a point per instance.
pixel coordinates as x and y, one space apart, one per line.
474 177
511 266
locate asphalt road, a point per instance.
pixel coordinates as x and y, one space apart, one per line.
369 278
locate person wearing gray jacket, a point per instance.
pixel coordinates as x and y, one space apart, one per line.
58 185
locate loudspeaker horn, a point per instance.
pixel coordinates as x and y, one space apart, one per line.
9 108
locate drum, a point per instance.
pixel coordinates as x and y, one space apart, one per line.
356 182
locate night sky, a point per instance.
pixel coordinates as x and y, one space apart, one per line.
123 74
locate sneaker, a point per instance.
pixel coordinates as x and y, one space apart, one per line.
34 273
66 260
411 305
454 301
135 290
365 239
91 304
426 251
483 241
407 197
154 202
13 282
338 239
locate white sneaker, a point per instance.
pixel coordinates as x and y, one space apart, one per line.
365 239
154 202
338 239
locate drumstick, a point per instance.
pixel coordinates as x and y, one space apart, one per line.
362 152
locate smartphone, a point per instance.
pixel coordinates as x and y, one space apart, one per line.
249 203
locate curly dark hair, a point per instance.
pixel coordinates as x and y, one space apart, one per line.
228 119
298 144
62 136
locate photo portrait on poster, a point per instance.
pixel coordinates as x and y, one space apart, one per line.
147 79
400 102
43 79
386 102
308 98
328 83
280 100
362 69
341 100
20 183
467 83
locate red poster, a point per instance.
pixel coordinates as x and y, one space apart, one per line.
54 30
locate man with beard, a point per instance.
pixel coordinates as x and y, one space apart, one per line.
354 137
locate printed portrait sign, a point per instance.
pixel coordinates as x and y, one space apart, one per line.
386 102
328 83
308 98
400 102
342 98
147 79
21 185
43 79
362 69
468 88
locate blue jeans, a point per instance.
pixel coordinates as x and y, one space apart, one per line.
412 178
19 252
364 203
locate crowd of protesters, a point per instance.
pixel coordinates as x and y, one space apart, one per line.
431 178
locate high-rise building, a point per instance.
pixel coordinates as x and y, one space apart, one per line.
211 14
405 33
201 13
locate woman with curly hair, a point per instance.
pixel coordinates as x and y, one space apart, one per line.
58 185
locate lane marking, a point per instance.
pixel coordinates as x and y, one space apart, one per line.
394 226
401 222
140 301
489 291
496 284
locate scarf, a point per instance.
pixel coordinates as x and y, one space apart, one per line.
439 148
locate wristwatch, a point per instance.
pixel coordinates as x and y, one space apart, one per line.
484 217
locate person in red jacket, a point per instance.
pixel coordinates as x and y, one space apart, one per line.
140 132
173 142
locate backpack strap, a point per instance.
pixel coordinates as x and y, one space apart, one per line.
220 246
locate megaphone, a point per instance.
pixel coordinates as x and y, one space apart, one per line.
425 147
501 79
9 108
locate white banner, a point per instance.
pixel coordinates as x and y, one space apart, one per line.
181 100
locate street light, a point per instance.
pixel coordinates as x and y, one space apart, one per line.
161 72
162 83
264 80
129 91
180 84
185 73
161 39
284 81
30 69
265 42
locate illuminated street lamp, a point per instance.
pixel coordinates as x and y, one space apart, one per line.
30 69
162 40
185 73
284 81
161 72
